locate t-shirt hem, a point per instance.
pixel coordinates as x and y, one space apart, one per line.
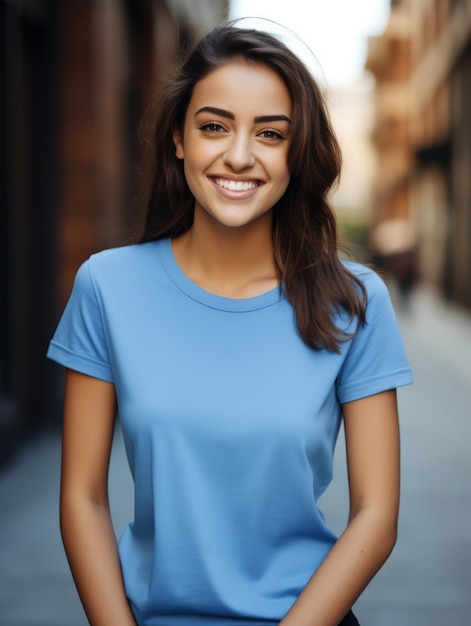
62 355
375 384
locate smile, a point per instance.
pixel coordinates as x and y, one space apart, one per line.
236 185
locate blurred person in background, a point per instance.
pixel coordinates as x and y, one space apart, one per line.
394 244
232 341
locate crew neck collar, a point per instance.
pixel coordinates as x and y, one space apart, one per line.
195 292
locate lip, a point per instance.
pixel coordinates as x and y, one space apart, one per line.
236 194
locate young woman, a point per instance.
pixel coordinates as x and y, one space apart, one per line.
232 341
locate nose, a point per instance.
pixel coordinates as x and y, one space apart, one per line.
239 153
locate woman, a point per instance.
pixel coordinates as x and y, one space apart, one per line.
233 341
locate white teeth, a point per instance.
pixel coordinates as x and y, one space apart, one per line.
234 185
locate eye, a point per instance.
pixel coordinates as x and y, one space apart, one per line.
213 127
271 134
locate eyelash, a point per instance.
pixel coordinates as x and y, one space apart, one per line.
212 127
216 127
275 134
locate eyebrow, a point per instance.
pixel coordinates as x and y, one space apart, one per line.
231 116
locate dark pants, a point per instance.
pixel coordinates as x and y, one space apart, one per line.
349 620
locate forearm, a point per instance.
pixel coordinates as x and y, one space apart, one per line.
91 549
345 572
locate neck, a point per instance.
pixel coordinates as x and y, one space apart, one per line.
233 262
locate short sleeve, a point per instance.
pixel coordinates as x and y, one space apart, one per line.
79 342
375 360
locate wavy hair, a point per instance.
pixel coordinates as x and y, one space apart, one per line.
315 281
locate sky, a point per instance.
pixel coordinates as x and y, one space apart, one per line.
335 31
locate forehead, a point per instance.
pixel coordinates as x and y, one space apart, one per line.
243 85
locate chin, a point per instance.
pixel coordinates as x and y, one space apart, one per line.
239 221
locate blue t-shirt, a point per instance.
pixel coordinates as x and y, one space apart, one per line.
229 422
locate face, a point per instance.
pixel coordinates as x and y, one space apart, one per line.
235 143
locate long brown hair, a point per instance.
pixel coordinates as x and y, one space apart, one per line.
316 282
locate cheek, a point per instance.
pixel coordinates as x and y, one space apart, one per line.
198 157
285 178
279 162
190 176
282 172
192 163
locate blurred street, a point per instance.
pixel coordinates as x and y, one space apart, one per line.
427 581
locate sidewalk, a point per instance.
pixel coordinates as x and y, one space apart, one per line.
442 329
427 580
36 587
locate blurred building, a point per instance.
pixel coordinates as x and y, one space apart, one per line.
422 67
392 235
389 61
75 77
441 87
351 107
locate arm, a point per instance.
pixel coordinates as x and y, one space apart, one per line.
372 440
87 531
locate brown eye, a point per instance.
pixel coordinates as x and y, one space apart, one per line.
271 134
213 127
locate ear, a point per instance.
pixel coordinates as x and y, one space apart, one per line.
178 141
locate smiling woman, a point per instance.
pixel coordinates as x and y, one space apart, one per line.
235 164
233 341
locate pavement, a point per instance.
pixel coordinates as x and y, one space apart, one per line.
426 581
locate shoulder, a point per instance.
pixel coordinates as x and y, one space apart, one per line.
119 270
378 299
371 281
113 259
365 274
122 264
375 359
